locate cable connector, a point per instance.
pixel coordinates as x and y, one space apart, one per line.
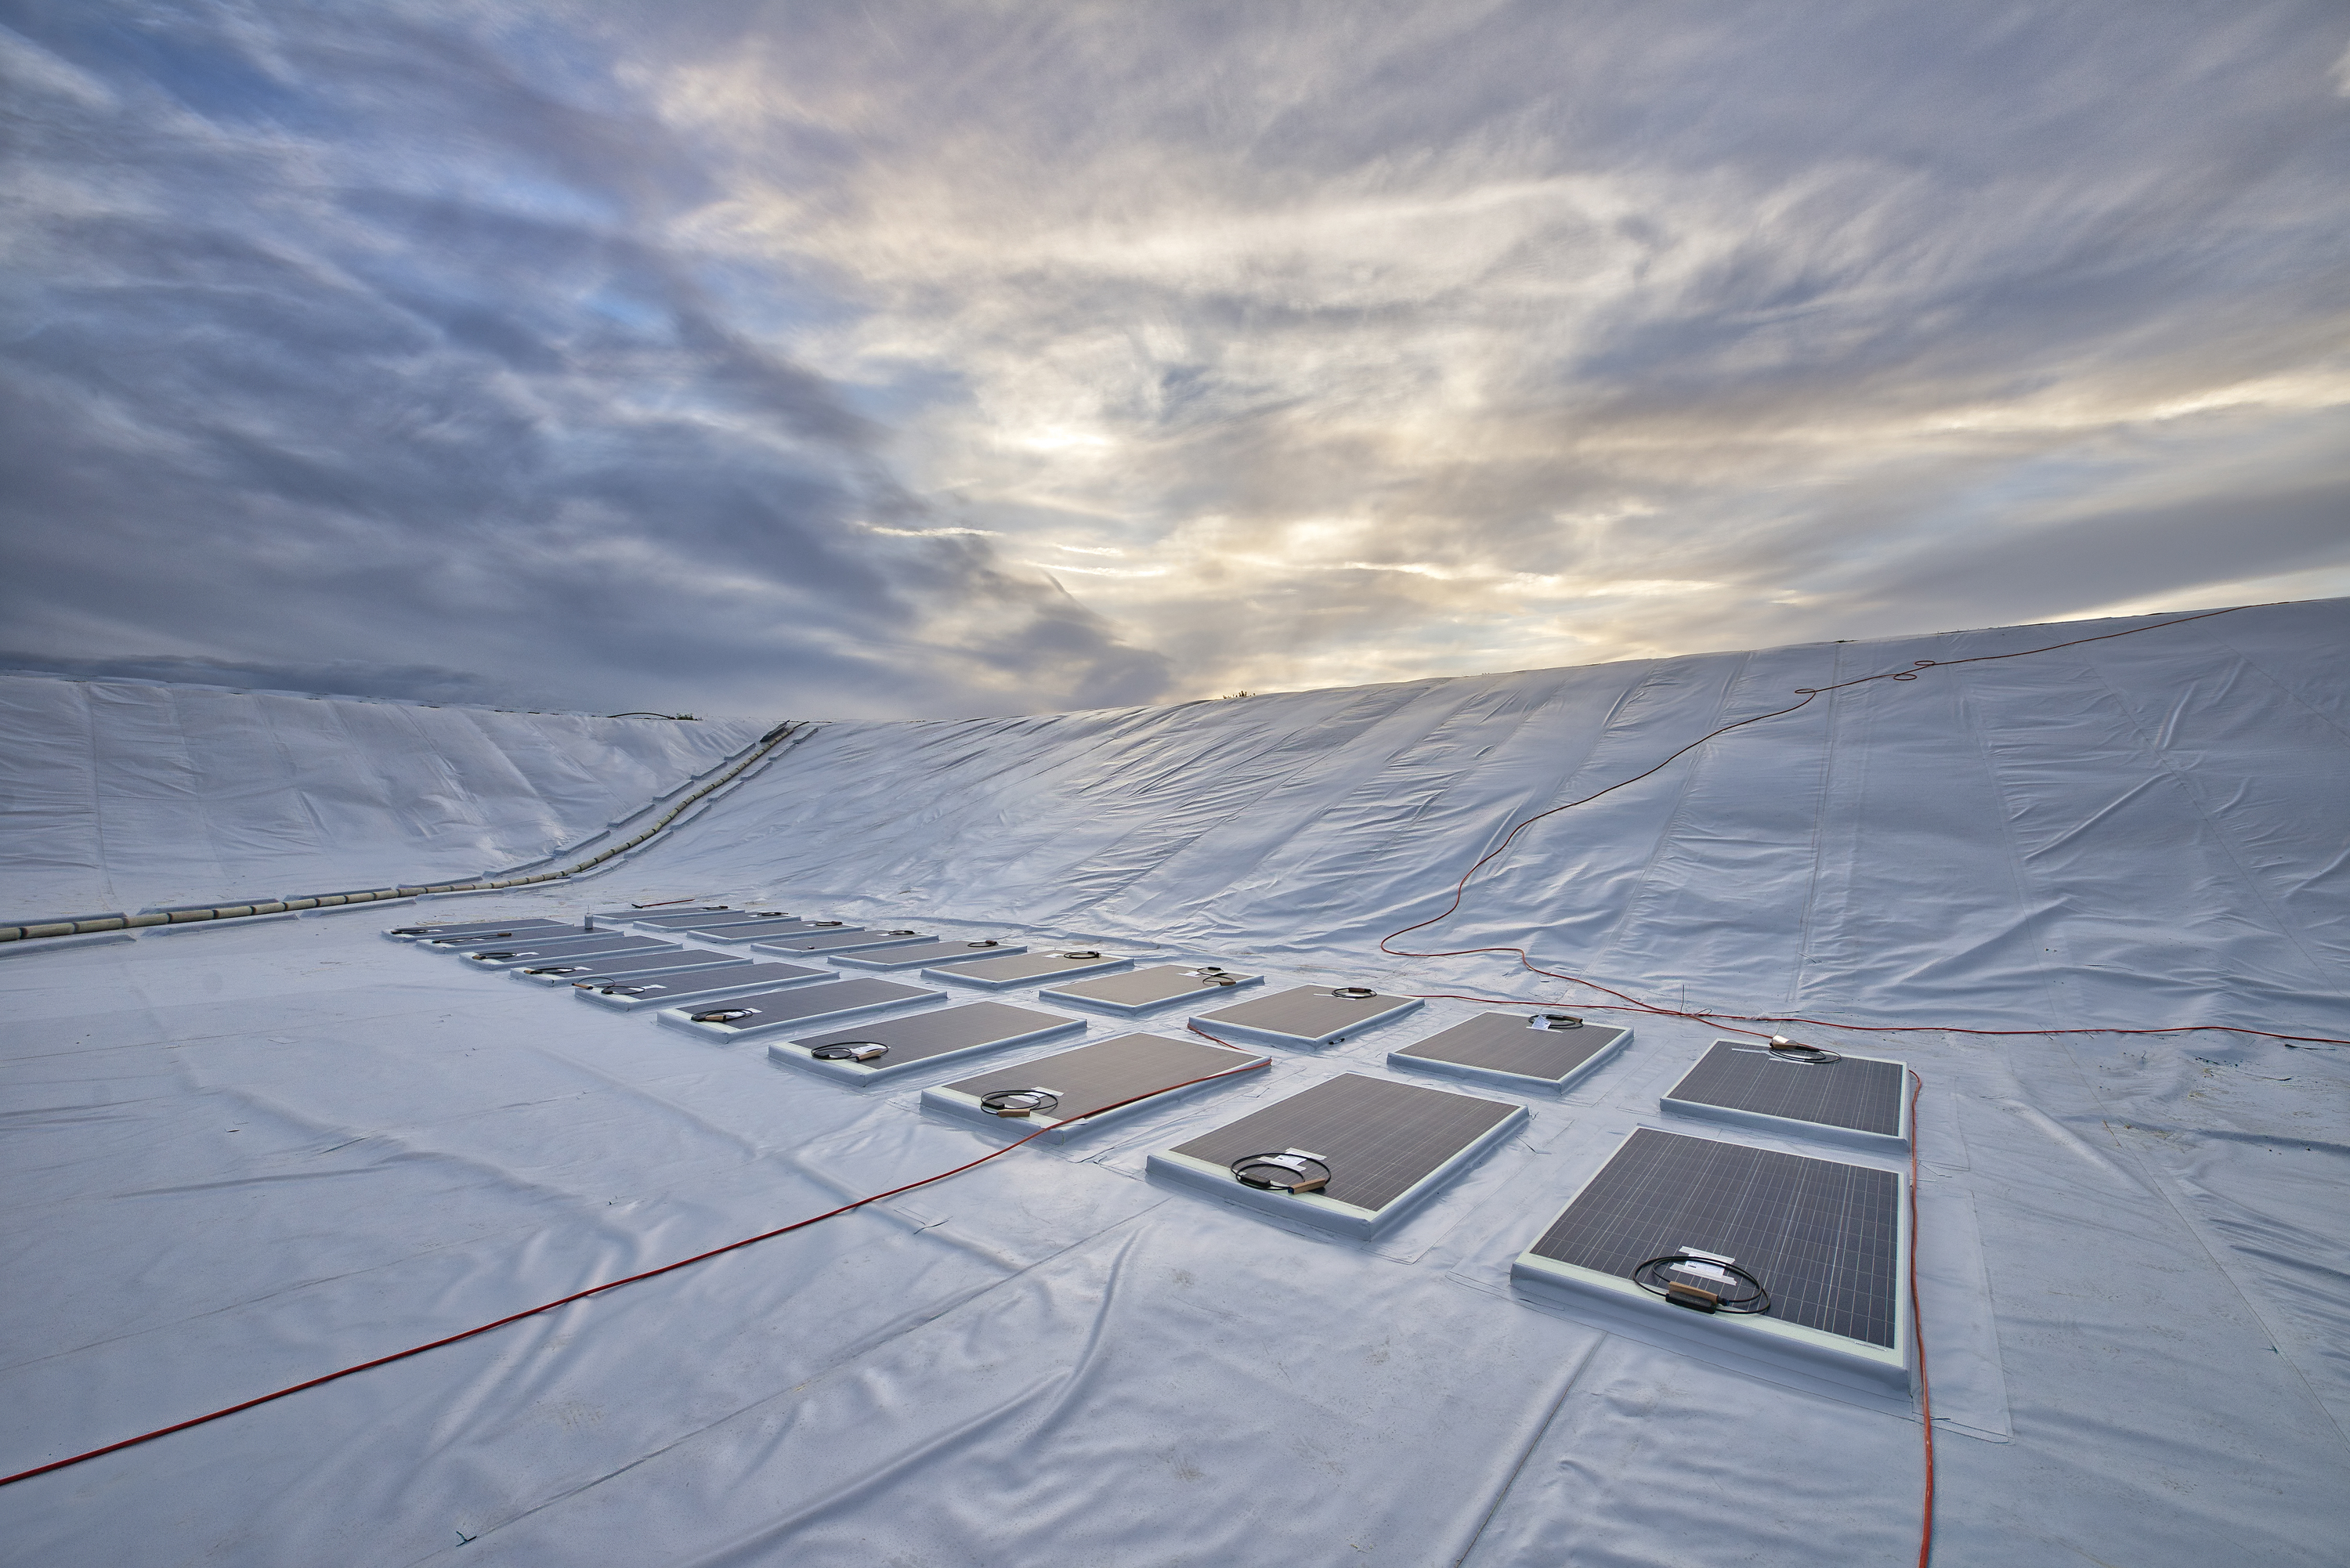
1017 1102
1295 1171
1782 1049
1656 1277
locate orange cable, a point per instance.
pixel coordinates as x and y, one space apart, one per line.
1918 1329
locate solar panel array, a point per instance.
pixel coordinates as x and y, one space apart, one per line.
1861 1092
1109 1071
1822 1237
1506 1042
1378 1138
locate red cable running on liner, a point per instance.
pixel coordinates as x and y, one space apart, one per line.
1918 1329
1630 1004
606 1286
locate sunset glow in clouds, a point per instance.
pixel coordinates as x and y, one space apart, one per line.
936 359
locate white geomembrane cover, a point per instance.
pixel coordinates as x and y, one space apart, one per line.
245 1155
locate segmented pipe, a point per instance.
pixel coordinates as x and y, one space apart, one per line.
26 931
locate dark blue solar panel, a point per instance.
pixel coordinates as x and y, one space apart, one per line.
1378 1138
1822 1237
1860 1093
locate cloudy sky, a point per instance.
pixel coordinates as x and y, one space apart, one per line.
924 360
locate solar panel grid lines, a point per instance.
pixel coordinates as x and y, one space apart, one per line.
1144 990
668 990
926 1040
770 930
1307 1017
542 931
768 1012
843 941
521 952
688 919
1808 1229
1389 1147
1094 1077
624 917
1826 1239
579 968
1860 1101
1043 962
1377 1136
924 955
563 940
1508 1050
470 927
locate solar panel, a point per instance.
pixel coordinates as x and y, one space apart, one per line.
1383 1148
922 955
693 919
541 931
842 942
1112 1079
868 1053
1516 1050
1829 1241
1310 1016
765 1011
525 952
758 931
573 971
1145 989
455 928
1028 969
1857 1100
622 917
628 995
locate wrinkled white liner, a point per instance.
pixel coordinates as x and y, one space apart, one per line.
2125 1244
124 795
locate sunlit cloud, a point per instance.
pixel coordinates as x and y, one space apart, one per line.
941 358
932 533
